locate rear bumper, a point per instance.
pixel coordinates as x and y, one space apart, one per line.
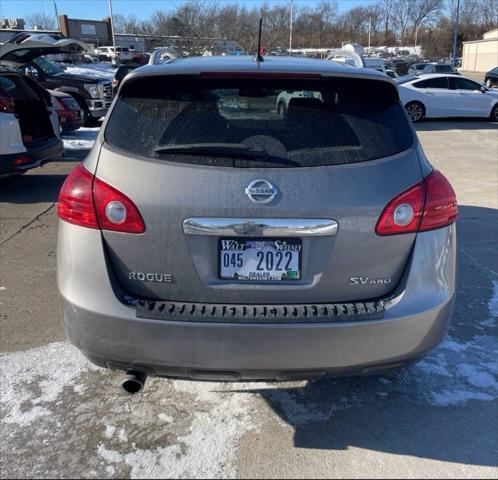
110 333
43 153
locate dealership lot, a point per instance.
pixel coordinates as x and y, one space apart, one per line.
60 416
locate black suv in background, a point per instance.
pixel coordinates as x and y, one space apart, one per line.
491 78
94 95
121 72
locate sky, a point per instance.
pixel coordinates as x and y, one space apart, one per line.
98 9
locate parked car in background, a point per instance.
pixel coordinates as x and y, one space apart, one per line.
438 68
416 68
399 66
491 78
107 54
207 237
68 111
26 52
121 72
436 95
29 131
376 63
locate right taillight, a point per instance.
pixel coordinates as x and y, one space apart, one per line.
427 205
87 201
440 202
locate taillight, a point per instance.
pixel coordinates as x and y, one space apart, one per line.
440 203
427 205
7 104
75 203
87 201
115 211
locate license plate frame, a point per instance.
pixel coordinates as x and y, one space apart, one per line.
293 245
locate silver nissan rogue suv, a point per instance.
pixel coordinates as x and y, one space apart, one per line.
238 219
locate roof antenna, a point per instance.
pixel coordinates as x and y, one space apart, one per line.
259 57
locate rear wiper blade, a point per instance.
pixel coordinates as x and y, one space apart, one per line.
223 150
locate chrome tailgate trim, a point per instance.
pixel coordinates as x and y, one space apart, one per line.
261 227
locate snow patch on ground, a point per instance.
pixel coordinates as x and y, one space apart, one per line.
36 378
206 451
81 139
177 429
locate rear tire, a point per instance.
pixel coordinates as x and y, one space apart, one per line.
416 111
494 114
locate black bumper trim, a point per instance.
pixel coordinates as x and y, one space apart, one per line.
264 314
39 154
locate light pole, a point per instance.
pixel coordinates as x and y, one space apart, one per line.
455 34
112 25
291 25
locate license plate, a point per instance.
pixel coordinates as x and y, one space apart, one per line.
275 259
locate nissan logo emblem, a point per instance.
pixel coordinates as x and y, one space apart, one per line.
261 191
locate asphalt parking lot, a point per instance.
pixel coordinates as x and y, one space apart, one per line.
62 417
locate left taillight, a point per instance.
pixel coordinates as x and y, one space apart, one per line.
7 104
87 201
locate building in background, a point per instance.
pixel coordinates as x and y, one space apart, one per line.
481 55
17 23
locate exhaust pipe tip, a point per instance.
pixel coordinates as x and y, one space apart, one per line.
133 382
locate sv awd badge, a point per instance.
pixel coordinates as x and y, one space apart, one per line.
369 281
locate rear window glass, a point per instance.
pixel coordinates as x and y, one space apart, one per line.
256 122
444 68
439 82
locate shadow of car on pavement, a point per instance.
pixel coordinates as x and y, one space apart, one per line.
443 408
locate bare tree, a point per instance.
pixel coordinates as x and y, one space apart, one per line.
402 14
41 21
386 13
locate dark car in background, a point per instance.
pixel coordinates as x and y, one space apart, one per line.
399 66
491 78
121 73
417 68
445 68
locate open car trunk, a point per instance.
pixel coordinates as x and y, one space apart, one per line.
33 107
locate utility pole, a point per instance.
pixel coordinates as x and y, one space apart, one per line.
369 30
57 16
291 25
112 25
416 35
455 34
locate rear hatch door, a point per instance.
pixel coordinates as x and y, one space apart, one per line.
333 155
